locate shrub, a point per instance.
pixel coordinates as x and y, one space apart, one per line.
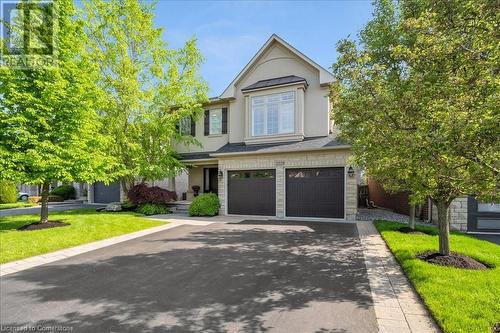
55 198
65 191
128 206
205 205
141 194
8 192
34 200
152 209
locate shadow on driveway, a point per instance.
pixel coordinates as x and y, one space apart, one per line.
247 277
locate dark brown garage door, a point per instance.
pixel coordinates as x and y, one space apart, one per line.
252 192
317 192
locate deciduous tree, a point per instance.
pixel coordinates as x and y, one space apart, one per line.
49 128
149 87
418 98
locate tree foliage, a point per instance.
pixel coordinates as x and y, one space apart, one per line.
49 129
149 87
418 98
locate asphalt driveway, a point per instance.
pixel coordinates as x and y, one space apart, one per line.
246 277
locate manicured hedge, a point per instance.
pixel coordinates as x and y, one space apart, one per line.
8 192
206 204
64 191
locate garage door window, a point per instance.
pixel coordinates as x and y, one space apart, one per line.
319 173
252 174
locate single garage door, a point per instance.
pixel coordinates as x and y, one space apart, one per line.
316 192
106 193
252 192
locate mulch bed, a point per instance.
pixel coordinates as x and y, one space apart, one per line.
408 230
46 225
454 260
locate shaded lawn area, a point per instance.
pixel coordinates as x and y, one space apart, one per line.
19 204
460 300
86 225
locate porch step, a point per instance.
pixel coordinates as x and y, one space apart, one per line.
179 206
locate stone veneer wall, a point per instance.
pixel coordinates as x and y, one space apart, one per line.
458 214
282 161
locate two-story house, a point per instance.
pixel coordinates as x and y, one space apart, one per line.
268 143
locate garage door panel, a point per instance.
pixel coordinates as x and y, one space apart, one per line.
106 193
315 192
252 192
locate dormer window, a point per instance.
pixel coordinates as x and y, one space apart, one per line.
273 114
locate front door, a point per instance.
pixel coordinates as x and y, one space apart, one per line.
211 181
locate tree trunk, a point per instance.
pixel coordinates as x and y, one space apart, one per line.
444 227
411 223
44 211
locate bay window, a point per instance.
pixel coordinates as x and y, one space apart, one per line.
273 114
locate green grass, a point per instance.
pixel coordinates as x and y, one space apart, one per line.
460 300
19 204
86 225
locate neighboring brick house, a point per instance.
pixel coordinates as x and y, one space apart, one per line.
466 213
268 144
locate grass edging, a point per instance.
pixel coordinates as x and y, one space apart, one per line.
19 204
85 226
459 300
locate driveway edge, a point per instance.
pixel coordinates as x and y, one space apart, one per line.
398 307
23 264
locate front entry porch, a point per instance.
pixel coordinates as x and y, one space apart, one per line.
202 178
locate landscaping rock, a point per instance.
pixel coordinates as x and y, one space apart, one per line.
113 207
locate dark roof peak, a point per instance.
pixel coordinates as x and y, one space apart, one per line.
277 81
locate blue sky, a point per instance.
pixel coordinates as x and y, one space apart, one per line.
230 33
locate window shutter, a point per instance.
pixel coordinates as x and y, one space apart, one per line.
207 122
193 127
224 120
178 127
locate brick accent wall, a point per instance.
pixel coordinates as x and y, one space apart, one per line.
397 202
282 161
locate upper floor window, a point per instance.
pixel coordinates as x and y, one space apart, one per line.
185 126
273 114
215 117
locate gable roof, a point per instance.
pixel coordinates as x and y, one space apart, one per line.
325 76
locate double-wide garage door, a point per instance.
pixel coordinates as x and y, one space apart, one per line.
312 192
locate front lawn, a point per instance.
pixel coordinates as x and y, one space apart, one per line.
19 204
86 225
460 300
